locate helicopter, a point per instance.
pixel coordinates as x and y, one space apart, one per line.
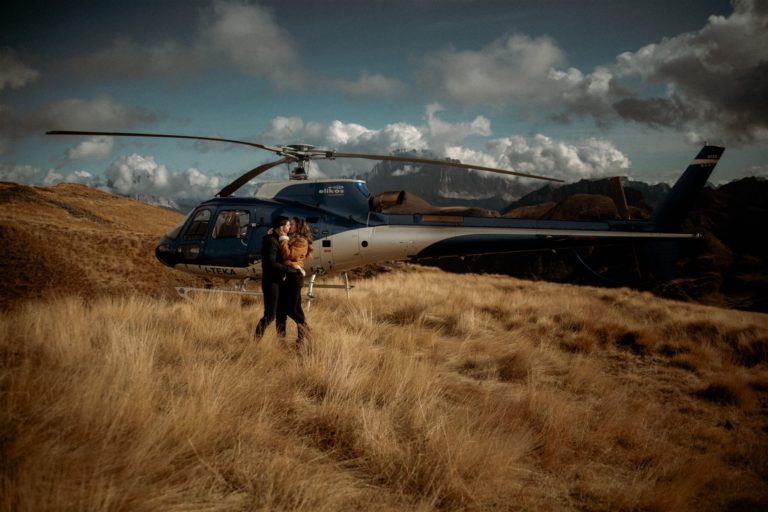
222 236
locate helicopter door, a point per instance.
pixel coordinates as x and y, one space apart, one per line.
340 250
228 242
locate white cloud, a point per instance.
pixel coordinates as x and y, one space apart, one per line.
95 148
248 37
443 134
285 129
588 159
99 113
436 134
14 74
232 32
54 177
20 173
135 174
358 138
348 134
714 79
513 68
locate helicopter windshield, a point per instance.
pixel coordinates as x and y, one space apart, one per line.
175 231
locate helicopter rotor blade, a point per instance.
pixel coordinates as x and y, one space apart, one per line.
166 136
248 176
300 152
443 162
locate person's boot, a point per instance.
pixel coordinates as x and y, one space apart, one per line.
302 336
259 332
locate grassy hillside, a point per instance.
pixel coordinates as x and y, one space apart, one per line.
424 391
73 239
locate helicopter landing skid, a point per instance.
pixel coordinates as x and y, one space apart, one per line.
311 285
186 292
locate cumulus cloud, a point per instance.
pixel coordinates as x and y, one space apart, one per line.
243 35
287 130
542 155
54 177
515 67
250 38
588 159
435 134
443 134
715 81
139 174
14 74
20 173
344 136
102 112
95 148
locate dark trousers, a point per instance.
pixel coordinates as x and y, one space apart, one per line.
271 291
289 304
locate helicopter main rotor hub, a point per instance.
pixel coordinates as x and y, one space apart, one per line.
301 147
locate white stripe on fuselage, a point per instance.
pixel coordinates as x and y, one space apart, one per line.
392 243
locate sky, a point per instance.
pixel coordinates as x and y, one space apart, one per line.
561 88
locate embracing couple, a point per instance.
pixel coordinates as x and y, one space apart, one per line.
284 249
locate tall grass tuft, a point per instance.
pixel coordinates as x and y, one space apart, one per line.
424 391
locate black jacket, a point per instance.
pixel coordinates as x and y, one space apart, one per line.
271 260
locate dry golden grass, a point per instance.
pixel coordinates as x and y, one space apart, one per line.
423 391
74 239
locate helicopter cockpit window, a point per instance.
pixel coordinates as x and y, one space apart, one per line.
198 226
231 224
175 231
363 189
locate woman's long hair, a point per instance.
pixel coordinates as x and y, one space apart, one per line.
302 230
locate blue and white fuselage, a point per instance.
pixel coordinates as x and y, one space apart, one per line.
222 237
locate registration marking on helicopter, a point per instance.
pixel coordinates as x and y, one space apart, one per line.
333 190
210 270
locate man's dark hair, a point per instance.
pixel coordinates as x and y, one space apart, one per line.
279 221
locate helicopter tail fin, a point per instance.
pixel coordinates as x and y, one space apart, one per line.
672 211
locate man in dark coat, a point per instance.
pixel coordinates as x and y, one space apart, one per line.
273 272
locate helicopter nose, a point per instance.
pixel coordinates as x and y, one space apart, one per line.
164 252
